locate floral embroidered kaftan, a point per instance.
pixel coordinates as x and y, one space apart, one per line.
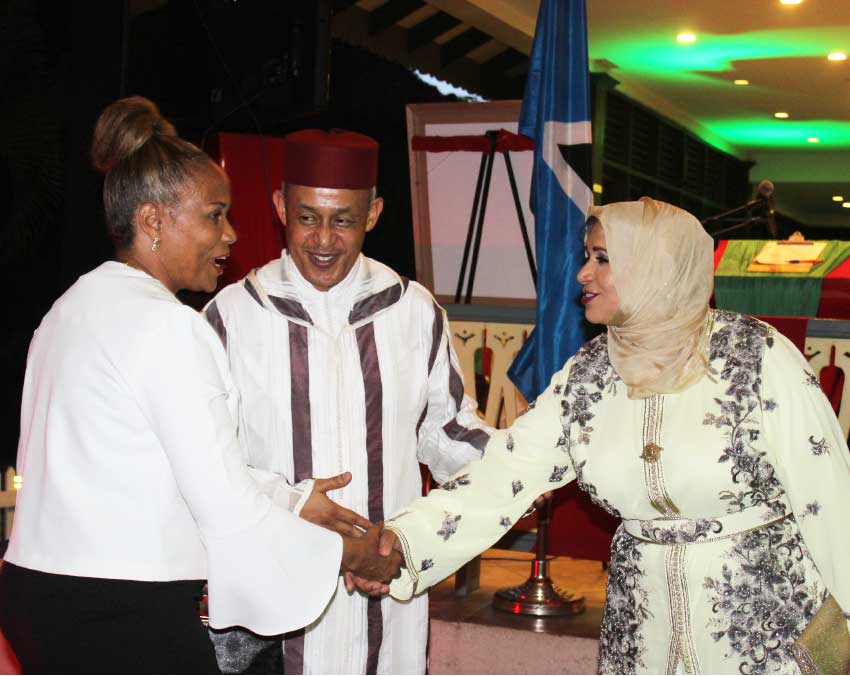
734 495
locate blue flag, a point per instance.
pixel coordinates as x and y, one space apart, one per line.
556 114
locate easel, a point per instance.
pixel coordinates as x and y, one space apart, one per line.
475 228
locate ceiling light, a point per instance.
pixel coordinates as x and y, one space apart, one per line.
838 198
742 83
813 139
686 38
846 205
781 116
790 2
837 56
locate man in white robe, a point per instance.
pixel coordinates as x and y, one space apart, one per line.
343 365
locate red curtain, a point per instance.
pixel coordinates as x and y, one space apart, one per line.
253 179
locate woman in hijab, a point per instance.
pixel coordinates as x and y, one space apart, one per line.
134 488
704 431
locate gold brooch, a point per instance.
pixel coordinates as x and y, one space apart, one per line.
651 452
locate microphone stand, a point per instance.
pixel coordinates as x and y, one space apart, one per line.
755 220
734 215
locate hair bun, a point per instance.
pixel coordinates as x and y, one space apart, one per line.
124 127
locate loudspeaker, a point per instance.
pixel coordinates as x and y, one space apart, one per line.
251 59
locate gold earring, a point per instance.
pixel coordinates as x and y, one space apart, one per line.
155 244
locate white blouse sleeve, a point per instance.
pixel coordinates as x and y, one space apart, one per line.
291 497
268 570
811 459
482 501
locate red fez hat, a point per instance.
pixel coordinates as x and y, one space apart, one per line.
330 159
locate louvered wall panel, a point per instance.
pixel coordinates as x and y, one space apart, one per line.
694 166
671 159
617 130
715 176
644 154
737 182
640 187
644 150
616 184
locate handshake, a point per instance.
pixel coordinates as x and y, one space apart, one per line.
371 556
369 562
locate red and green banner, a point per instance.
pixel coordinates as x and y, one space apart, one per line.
792 294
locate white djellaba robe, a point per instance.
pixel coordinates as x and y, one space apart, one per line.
734 496
360 378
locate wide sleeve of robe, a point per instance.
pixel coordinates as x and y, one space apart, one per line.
452 434
267 569
811 459
472 510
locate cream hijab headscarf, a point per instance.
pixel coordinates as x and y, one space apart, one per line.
662 263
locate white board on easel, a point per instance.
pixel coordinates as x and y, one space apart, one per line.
442 191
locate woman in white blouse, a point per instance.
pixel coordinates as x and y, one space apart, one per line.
705 432
134 488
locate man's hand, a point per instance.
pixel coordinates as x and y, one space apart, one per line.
323 511
387 544
369 587
360 557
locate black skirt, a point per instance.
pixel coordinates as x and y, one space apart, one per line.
72 625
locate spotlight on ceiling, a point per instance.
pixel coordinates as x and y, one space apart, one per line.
813 139
837 56
742 83
838 198
790 2
781 116
686 38
846 205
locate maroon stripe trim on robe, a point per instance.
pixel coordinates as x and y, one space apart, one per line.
252 291
455 381
214 318
299 365
436 336
374 394
377 301
291 308
302 455
421 420
475 437
293 652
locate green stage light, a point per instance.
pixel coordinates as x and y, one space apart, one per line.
654 54
758 132
652 59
